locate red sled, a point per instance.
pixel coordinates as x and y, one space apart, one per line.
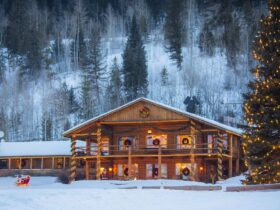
23 181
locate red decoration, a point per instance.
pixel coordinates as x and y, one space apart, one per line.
144 112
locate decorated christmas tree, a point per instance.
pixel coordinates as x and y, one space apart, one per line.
262 104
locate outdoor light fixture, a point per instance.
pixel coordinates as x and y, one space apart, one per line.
201 168
149 131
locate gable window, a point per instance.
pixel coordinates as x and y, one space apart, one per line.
154 141
184 141
125 142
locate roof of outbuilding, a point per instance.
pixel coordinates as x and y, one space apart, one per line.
36 148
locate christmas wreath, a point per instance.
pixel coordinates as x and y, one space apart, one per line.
127 142
185 141
156 142
155 171
185 171
125 171
144 112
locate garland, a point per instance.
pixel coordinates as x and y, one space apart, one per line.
170 130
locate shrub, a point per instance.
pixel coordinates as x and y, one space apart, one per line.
63 178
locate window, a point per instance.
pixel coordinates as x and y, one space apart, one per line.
184 141
4 163
153 141
213 142
125 141
47 163
152 170
183 170
36 163
58 163
15 163
67 162
25 163
121 170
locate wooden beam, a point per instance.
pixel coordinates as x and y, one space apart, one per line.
129 162
42 162
9 163
230 158
159 162
209 130
73 166
53 163
31 163
220 158
142 122
98 158
87 169
237 159
193 133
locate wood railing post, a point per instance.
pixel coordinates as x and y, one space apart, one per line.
98 161
220 158
230 158
73 168
129 162
159 162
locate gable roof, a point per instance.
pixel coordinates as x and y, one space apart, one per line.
179 111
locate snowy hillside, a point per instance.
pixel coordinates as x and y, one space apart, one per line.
43 72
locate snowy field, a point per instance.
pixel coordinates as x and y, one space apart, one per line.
44 193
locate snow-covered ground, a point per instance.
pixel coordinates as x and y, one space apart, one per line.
45 193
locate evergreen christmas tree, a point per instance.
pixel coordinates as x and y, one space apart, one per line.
174 31
262 104
134 65
114 89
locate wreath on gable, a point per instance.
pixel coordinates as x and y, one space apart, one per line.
144 112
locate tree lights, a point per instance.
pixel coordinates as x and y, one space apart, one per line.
262 104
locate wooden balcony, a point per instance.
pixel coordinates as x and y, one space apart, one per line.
170 150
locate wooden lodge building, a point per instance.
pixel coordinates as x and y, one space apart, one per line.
142 139
145 139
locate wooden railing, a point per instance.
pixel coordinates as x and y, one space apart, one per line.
166 149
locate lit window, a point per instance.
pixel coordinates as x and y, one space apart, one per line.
154 141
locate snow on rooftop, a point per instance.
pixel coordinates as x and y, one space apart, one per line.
36 148
188 114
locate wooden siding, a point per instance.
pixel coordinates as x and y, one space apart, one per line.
132 113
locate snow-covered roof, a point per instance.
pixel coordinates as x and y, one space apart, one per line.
187 114
36 148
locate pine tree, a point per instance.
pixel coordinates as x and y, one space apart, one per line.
134 65
2 68
95 66
261 105
173 31
164 76
87 106
46 126
114 89
73 104
207 41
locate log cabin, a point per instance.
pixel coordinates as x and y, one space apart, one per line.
144 139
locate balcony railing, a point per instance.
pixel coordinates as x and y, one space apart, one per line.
166 149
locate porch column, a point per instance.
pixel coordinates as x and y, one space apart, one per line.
237 159
98 161
129 162
87 161
73 167
31 163
193 133
9 163
53 163
230 158
220 158
159 162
